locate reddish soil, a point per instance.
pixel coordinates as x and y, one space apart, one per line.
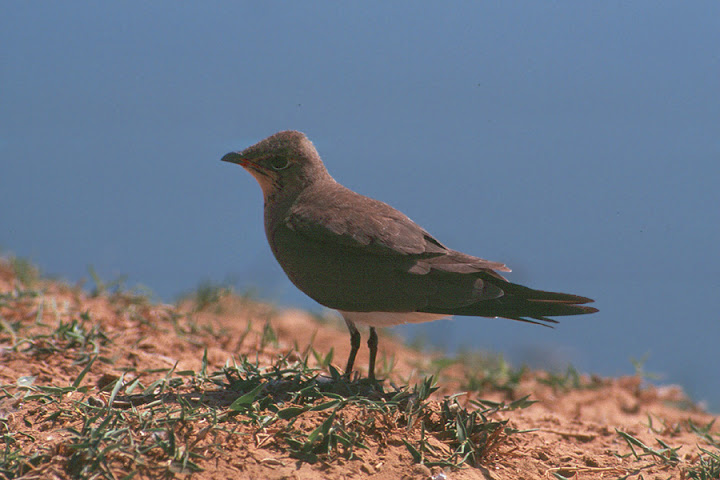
574 428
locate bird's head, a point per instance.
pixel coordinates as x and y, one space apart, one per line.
283 163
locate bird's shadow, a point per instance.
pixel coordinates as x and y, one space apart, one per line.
278 391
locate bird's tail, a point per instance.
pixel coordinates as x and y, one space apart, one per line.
525 304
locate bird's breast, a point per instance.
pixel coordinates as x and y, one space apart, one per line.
338 276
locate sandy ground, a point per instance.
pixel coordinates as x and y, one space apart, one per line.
580 427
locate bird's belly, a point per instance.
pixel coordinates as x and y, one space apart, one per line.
388 319
339 278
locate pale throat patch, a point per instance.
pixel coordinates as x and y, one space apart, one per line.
265 182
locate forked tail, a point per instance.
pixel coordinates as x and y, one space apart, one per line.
523 304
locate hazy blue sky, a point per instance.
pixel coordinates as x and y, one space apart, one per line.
579 142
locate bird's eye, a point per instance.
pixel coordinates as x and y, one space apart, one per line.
279 163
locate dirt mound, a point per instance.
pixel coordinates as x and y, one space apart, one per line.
106 384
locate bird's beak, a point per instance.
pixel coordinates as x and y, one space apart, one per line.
234 157
250 165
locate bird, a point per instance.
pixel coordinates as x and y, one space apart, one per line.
369 261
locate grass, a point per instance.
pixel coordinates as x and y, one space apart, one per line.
489 372
568 380
354 411
79 337
25 271
665 455
117 292
208 294
706 466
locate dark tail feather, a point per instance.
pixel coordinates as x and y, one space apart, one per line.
541 295
523 304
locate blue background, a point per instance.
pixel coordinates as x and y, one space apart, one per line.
578 142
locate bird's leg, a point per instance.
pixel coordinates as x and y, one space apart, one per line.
354 347
372 345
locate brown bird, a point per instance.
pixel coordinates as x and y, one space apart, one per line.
371 262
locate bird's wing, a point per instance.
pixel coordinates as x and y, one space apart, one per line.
362 224
365 256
